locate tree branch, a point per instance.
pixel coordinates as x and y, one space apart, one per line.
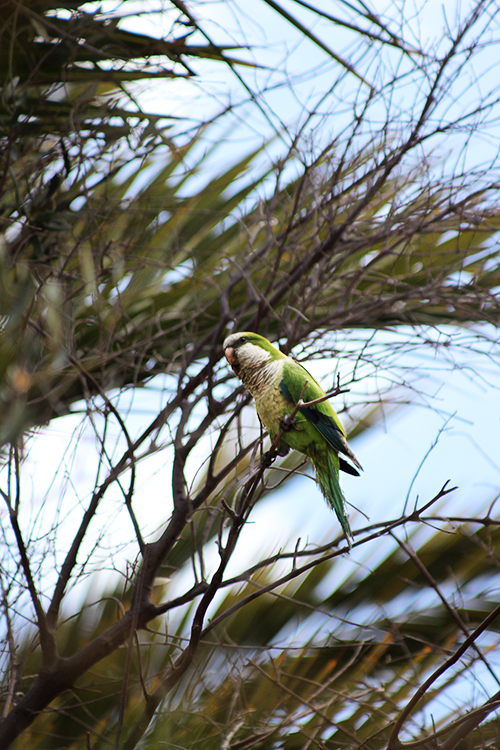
394 741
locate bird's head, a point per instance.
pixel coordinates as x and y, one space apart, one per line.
247 349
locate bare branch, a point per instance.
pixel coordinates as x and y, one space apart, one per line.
394 741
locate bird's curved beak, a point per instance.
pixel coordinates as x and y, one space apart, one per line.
230 355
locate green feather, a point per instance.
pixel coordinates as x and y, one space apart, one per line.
335 498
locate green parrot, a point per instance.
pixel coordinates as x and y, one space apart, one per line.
276 382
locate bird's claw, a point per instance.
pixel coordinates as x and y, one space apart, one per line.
267 459
287 423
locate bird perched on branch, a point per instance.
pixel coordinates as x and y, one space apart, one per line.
278 384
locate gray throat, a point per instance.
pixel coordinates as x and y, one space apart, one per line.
259 378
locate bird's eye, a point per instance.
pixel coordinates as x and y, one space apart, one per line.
242 340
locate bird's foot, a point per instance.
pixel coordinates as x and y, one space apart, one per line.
267 459
287 423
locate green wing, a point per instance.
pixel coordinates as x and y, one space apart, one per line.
322 415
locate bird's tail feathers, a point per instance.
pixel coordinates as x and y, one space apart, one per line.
328 478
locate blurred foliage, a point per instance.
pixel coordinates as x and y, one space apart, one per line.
110 265
62 66
65 120
118 289
121 257
373 639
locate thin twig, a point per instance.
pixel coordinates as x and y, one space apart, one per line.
451 610
394 741
128 661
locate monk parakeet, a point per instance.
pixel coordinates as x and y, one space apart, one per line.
276 382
